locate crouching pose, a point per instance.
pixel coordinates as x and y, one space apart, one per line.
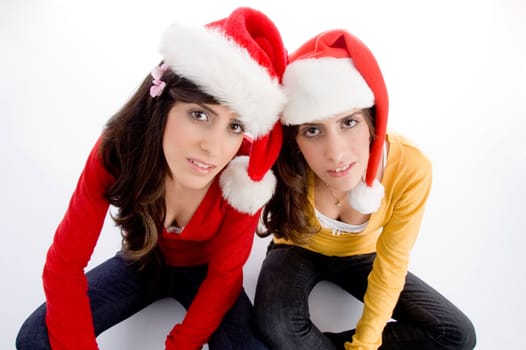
347 209
185 163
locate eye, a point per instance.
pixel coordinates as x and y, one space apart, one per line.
199 115
311 131
349 122
237 127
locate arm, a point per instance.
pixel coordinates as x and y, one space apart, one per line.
387 278
229 252
68 316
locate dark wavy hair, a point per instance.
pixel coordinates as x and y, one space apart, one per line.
131 150
287 213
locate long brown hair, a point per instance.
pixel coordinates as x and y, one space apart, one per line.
132 152
287 213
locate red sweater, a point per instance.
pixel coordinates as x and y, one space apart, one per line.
217 235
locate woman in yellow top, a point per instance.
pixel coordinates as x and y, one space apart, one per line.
347 209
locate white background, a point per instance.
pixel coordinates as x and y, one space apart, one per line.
456 75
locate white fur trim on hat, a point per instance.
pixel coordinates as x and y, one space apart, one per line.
240 191
365 199
225 70
318 88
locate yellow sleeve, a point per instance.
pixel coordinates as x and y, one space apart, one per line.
387 278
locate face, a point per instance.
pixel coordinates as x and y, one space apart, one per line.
199 140
337 148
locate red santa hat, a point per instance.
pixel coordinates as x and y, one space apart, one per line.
240 61
332 73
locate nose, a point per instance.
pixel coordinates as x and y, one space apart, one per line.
213 141
335 147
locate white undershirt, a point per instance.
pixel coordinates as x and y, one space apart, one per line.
174 229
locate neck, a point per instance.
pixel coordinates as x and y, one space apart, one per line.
338 197
181 202
334 204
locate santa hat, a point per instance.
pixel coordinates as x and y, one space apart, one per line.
239 60
332 73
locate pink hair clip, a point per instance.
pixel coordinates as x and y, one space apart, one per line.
157 84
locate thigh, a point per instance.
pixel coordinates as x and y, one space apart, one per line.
33 333
236 331
423 316
351 273
115 293
182 282
287 277
421 304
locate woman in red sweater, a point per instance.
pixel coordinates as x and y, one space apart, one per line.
186 164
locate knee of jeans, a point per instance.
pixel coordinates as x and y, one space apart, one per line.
30 339
20 340
33 333
280 327
469 337
459 335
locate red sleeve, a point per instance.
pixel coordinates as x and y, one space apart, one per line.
229 252
68 316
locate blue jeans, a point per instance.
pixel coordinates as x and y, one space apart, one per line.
424 319
117 291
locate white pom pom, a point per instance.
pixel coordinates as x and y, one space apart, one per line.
366 200
240 191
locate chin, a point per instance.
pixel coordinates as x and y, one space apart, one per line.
193 182
346 185
199 185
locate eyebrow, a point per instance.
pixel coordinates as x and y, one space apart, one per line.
208 109
351 115
310 125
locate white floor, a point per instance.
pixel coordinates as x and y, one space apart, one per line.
456 75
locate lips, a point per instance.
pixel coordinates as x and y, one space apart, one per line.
343 168
341 171
201 166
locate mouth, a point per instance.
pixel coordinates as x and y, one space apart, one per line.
201 167
341 171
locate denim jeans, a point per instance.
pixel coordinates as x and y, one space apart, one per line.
423 319
117 291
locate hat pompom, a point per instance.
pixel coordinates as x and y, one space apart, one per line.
240 191
365 199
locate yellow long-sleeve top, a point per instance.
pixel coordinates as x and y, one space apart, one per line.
391 233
